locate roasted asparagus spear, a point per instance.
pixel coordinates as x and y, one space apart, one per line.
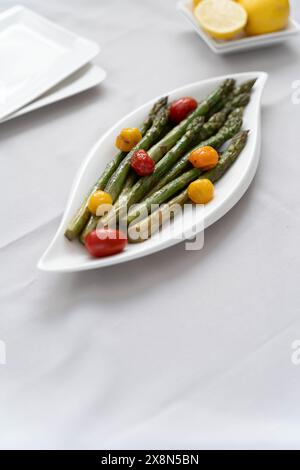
82 215
150 224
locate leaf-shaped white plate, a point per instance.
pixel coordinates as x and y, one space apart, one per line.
63 255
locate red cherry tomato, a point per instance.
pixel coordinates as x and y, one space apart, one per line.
181 108
105 242
142 163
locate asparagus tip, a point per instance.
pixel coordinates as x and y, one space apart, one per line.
164 101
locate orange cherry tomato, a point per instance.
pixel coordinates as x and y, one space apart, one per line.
204 157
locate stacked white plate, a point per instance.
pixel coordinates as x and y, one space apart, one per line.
41 62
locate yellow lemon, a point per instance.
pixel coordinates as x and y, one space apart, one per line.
266 16
201 191
221 19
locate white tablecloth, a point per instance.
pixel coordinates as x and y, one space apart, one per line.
177 350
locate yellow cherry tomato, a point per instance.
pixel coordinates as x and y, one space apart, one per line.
201 191
128 139
204 157
196 2
99 198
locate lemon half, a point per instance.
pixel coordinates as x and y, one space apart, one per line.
221 19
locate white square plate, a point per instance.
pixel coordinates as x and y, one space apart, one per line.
242 43
35 55
87 77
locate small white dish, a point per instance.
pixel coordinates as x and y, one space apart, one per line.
87 77
242 43
65 256
35 55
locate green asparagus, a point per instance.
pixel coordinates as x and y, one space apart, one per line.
243 89
195 130
119 180
113 165
142 230
230 128
159 150
157 107
162 147
116 182
142 186
82 215
150 224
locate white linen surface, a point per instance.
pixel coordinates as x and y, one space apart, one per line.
177 350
